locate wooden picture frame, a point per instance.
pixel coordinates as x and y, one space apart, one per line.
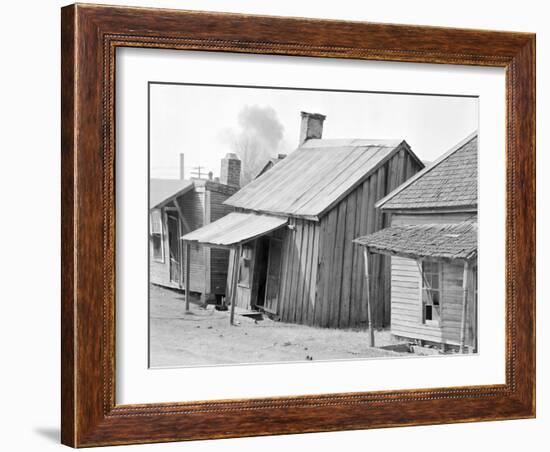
90 35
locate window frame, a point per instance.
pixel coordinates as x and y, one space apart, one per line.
160 235
428 290
242 259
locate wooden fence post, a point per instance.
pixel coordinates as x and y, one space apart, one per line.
464 307
187 275
369 304
236 257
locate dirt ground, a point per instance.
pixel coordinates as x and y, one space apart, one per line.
205 337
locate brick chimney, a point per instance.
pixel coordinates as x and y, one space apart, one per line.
230 173
311 126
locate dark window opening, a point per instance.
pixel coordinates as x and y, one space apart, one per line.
431 292
157 238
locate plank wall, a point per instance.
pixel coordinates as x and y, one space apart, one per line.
406 295
341 290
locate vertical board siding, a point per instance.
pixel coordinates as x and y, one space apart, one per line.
283 288
338 264
327 265
357 268
299 269
471 330
296 273
348 270
321 272
314 278
291 277
322 279
340 298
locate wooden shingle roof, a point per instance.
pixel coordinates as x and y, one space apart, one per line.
444 241
450 181
315 177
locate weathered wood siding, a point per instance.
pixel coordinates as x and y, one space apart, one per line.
340 296
432 218
208 269
406 292
192 205
244 294
299 266
247 297
159 271
322 271
406 296
219 258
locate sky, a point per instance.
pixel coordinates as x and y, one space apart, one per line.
203 122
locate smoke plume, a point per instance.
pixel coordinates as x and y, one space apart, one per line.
258 138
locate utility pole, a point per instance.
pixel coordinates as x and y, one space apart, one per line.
198 171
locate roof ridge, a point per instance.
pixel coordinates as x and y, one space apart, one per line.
427 169
314 143
309 182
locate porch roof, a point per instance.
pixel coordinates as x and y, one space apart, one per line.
235 228
440 241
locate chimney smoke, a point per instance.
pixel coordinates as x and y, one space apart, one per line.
311 126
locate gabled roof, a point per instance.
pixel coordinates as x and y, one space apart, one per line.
270 164
317 175
450 181
443 241
163 191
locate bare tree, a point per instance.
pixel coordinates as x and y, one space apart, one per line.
256 140
252 154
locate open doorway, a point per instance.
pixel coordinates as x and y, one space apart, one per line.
174 247
268 270
262 250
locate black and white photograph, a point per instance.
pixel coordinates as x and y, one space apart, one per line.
296 225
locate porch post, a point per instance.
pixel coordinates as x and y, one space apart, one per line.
369 306
236 257
187 275
464 307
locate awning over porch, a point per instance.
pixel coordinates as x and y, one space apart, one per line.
235 228
439 241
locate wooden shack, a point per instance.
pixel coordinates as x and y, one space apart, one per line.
432 242
293 226
178 206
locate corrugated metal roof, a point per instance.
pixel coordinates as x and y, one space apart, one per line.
451 181
235 228
448 241
162 191
314 177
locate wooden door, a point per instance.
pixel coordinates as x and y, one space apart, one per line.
273 275
174 248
